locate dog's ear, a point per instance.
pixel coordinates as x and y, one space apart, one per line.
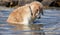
41 10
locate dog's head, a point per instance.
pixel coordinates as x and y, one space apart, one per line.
36 8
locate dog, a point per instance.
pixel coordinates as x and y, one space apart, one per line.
23 16
26 14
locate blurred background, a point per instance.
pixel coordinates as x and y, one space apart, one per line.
12 3
48 24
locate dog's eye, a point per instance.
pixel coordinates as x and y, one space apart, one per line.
37 10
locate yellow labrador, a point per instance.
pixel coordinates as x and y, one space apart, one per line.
26 14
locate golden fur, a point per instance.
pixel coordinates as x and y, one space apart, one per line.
22 15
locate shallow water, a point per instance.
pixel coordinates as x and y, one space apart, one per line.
49 24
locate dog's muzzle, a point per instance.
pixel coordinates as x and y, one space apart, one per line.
39 16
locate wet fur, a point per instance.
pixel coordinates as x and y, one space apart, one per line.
22 15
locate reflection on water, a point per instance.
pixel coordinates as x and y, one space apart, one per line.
49 24
15 29
32 29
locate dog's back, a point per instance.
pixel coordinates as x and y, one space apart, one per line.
19 15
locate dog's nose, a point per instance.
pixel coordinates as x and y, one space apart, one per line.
39 17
